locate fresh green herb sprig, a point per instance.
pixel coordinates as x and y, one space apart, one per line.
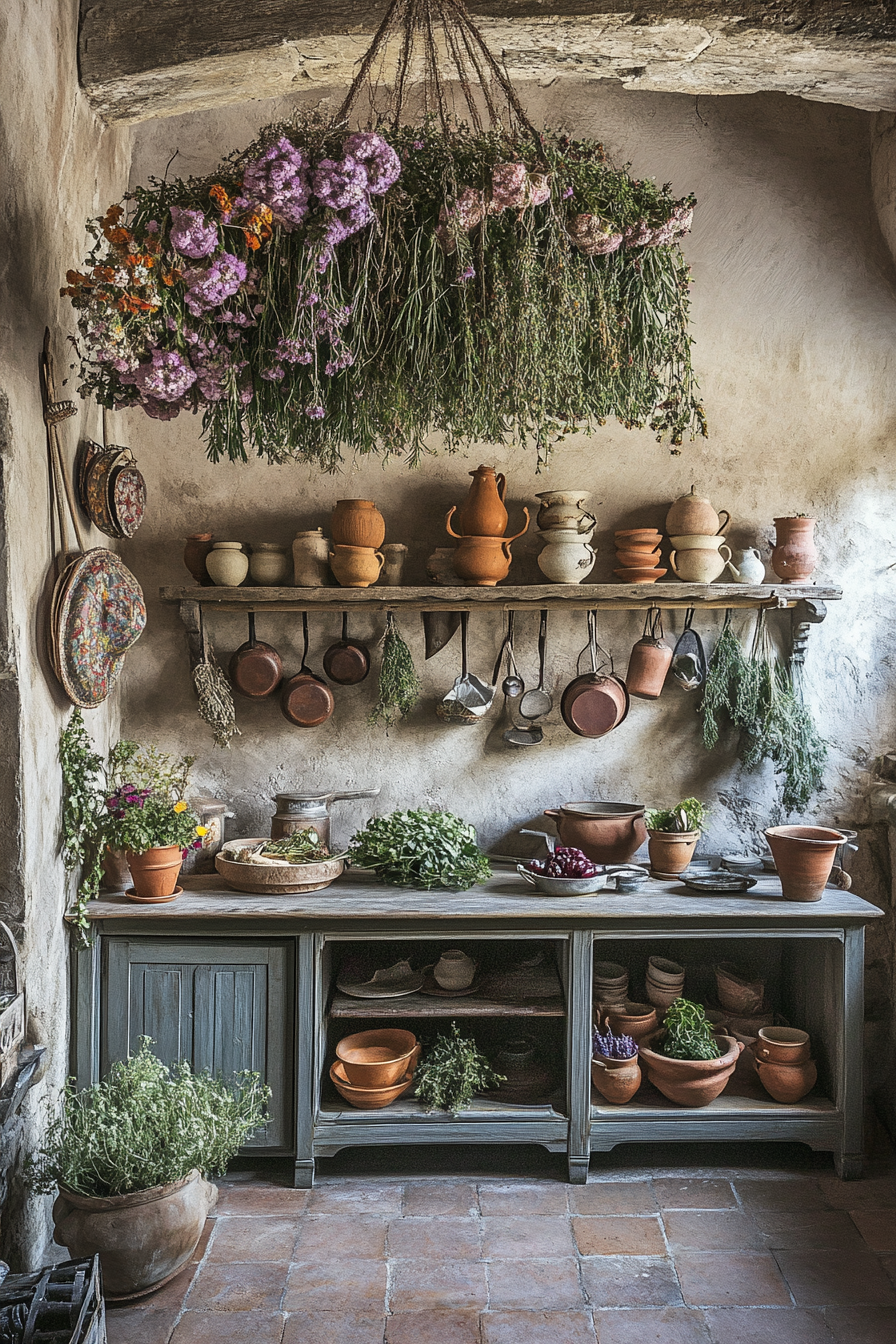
421 849
399 684
451 1071
688 815
687 1033
300 847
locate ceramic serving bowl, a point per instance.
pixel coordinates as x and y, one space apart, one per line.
638 536
564 886
379 1058
632 559
368 1098
279 881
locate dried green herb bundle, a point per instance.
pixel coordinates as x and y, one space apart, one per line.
451 1071
399 685
687 1033
726 668
216 705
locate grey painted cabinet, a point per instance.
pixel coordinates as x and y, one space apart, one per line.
223 1006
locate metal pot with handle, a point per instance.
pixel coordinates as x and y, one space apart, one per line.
256 670
309 811
306 700
597 702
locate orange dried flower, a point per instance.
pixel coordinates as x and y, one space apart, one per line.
221 199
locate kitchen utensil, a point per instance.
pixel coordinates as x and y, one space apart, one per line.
594 703
469 697
279 880
650 659
306 700
512 685
689 657
347 662
256 669
439 628
521 736
309 812
536 703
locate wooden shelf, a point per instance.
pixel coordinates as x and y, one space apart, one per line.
425 1005
510 597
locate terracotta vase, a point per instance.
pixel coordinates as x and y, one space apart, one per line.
482 513
311 559
269 565
690 1082
787 1083
155 873
691 514
356 566
227 564
648 664
143 1238
671 851
196 548
481 562
617 1080
804 857
604 832
794 556
357 522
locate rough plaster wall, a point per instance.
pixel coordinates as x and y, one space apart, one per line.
59 166
794 316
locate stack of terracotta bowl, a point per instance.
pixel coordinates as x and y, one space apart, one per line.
374 1068
784 1064
638 555
665 982
743 1001
610 987
358 529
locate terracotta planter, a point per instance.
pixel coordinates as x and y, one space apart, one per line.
690 1082
617 1080
357 522
804 857
794 556
482 513
604 832
736 993
632 1019
143 1238
782 1045
671 851
787 1083
356 566
197 547
155 873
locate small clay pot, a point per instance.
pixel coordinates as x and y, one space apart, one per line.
698 542
155 872
632 1019
794 556
787 1083
671 851
636 538
692 514
668 973
482 562
227 564
357 522
196 548
782 1045
454 970
355 566
396 553
376 1058
604 832
690 1082
737 993
269 565
617 1080
804 857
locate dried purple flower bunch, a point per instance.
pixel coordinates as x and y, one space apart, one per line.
613 1047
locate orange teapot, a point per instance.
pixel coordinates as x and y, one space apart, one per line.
482 513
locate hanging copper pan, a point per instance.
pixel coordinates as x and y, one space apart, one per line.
306 700
256 669
595 703
347 662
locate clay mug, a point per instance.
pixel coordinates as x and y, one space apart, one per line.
482 513
310 559
794 556
699 566
692 514
227 564
746 566
565 509
454 970
356 566
357 522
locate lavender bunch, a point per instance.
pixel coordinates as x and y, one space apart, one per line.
278 178
613 1047
191 234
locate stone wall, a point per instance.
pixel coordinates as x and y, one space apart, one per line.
59 165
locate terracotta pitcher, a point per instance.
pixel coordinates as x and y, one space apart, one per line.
692 514
482 513
794 557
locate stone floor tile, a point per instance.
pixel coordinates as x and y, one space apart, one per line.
814 1230
694 1194
526 1238
526 1201
126 1325
171 1294
711 1230
613 1197
354 1197
671 1325
427 1285
202 1244
536 1327
862 1325
439 1199
730 1279
836 1278
767 1325
434 1239
334 1327
228 1327
878 1228
618 1236
259 1199
237 1287
542 1285
331 1236
336 1285
626 1281
873 1192
433 1327
786 1195
266 1238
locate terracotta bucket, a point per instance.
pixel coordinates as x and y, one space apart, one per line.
804 857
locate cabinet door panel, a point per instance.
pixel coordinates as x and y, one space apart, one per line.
220 1006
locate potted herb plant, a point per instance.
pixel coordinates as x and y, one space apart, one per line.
685 1059
673 834
451 1070
129 1156
615 1071
154 830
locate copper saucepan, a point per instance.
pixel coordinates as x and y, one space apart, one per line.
306 700
256 670
347 662
595 703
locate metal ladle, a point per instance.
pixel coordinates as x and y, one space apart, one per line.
536 703
513 684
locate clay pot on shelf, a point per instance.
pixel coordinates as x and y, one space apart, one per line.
395 553
645 559
565 510
369 1098
787 1083
143 1238
604 832
482 513
269 565
482 562
649 661
632 1019
379 1058
746 566
155 873
671 851
227 564
738 993
804 857
794 556
699 565
690 1082
610 983
454 970
782 1045
617 1080
311 559
357 522
196 548
638 538
664 982
355 566
567 555
692 514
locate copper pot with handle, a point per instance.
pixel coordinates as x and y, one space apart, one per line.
306 700
255 668
596 702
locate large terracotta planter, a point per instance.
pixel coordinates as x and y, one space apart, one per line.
357 522
690 1082
155 873
604 832
617 1080
794 556
143 1238
804 857
671 851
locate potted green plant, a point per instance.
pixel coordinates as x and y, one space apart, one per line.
673 834
154 830
685 1059
451 1070
130 1155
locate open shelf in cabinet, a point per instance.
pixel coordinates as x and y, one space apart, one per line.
420 1005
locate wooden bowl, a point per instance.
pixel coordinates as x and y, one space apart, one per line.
378 1058
368 1098
255 877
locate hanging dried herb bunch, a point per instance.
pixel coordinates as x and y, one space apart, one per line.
451 1071
399 684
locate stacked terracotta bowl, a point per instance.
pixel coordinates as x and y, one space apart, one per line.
638 555
358 529
374 1068
784 1063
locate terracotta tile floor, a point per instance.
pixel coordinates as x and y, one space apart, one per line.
654 1250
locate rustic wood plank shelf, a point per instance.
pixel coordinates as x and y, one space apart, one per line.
422 1005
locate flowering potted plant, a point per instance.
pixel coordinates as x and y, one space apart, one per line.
155 830
673 834
615 1071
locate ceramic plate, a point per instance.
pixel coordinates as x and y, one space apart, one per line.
721 882
127 498
366 990
98 613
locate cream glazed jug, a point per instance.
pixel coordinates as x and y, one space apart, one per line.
746 566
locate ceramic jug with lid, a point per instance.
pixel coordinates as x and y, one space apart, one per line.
692 515
746 566
482 513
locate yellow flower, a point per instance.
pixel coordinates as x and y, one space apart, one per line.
180 807
202 830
